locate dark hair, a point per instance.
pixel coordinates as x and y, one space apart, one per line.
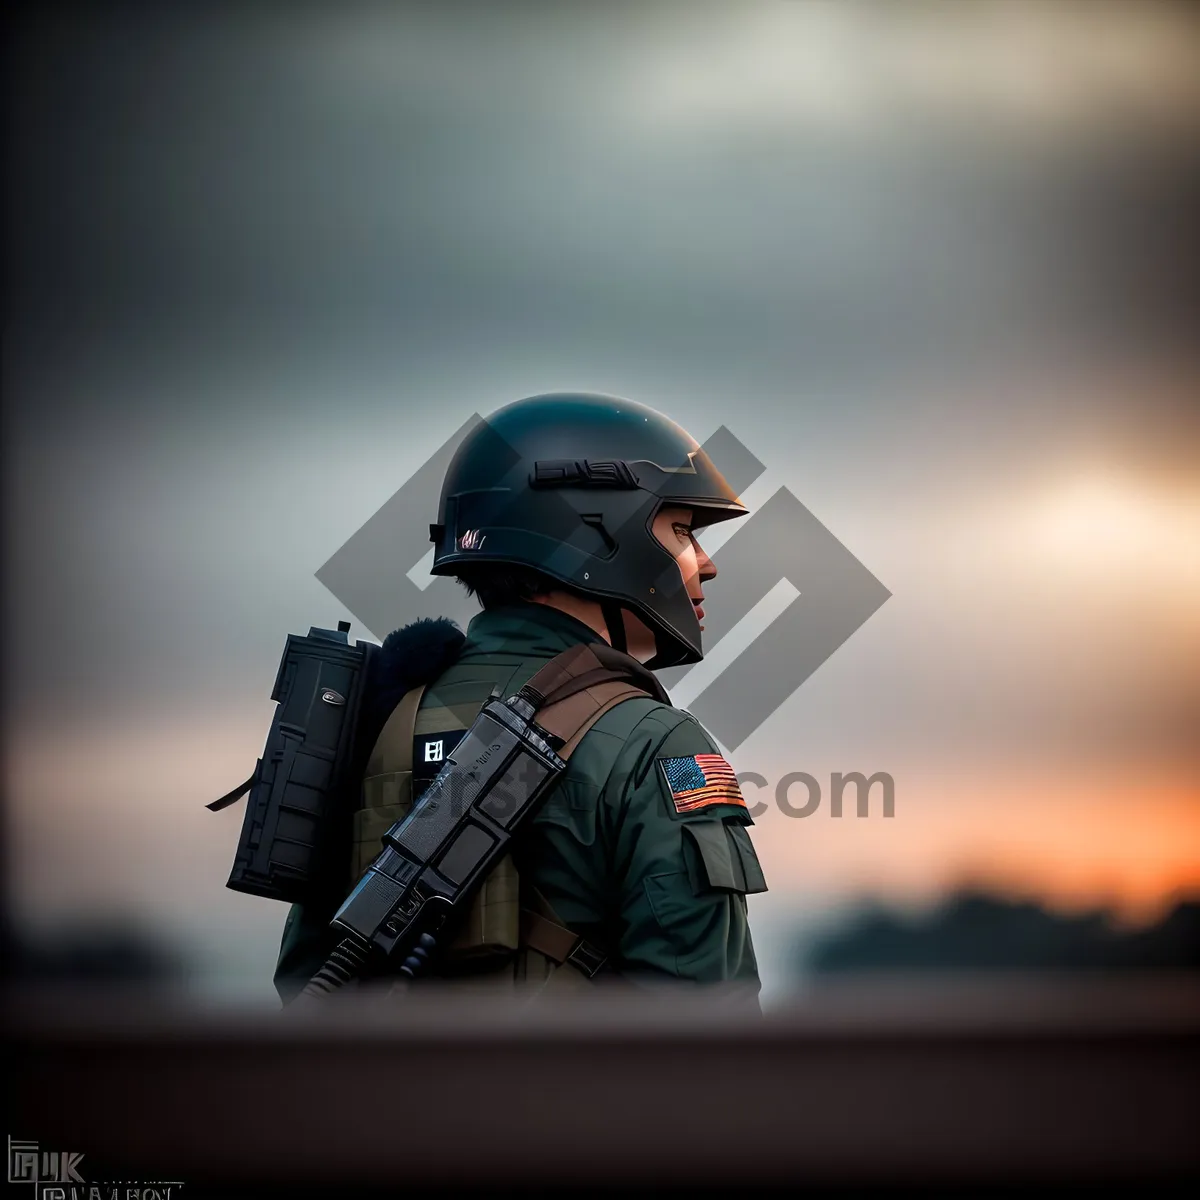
498 584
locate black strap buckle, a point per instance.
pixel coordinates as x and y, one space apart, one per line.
586 958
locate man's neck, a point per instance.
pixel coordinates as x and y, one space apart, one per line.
639 639
587 611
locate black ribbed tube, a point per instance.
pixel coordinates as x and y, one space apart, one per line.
343 965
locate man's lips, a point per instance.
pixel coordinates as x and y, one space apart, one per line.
699 611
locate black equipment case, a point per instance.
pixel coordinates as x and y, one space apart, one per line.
299 797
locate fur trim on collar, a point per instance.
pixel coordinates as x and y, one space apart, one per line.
410 656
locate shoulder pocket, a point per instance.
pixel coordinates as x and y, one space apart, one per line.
721 857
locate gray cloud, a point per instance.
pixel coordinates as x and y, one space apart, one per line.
429 178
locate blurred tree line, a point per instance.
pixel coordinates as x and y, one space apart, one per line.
975 931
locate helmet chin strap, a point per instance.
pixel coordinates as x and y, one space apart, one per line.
615 623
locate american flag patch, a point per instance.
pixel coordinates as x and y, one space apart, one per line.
699 780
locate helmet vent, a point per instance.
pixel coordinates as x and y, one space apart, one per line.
560 472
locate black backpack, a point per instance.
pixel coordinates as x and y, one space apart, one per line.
333 700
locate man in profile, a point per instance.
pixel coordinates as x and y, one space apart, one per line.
573 518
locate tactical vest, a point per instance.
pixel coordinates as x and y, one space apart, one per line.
511 932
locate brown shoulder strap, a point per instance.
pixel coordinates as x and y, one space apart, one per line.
542 931
583 666
575 688
571 718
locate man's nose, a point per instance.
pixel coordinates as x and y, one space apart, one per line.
706 568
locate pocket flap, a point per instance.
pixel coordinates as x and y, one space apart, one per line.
718 864
723 858
739 836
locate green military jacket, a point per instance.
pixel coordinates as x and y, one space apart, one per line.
658 882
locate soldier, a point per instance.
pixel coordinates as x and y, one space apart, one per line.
573 518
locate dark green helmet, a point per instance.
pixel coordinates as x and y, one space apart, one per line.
569 485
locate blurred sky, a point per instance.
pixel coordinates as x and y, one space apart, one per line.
935 265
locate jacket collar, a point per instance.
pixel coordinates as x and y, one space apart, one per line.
526 629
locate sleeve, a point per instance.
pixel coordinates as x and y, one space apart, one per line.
682 856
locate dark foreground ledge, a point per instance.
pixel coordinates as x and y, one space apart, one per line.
860 1083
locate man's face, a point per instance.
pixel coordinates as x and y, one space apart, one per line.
673 528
